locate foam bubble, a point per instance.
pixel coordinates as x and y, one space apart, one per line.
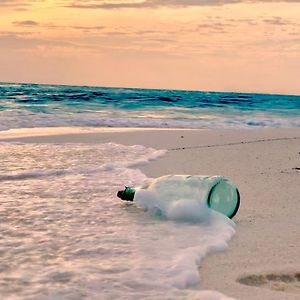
178 197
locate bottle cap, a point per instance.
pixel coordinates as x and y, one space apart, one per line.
127 194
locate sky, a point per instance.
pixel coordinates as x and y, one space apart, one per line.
206 45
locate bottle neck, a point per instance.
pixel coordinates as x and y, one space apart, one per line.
127 194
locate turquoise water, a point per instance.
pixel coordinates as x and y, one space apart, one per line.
36 105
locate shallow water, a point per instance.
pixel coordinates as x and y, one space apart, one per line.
65 235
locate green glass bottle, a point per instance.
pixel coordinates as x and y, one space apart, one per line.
219 192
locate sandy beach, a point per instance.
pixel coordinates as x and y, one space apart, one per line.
262 261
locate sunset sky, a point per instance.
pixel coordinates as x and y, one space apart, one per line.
215 45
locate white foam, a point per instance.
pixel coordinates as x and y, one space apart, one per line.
117 250
143 155
125 119
178 197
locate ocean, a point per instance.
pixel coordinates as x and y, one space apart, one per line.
65 234
37 105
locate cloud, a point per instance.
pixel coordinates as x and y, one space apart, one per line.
111 4
31 23
25 23
18 4
276 21
16 41
10 2
215 27
88 28
16 33
118 4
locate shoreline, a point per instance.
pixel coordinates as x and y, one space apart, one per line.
176 138
262 261
54 131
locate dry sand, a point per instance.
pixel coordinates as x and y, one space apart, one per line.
263 260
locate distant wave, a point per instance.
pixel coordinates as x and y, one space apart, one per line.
25 119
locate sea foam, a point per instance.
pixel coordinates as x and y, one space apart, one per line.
59 205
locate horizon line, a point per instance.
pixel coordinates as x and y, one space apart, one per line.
158 89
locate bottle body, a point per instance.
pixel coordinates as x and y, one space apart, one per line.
163 193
